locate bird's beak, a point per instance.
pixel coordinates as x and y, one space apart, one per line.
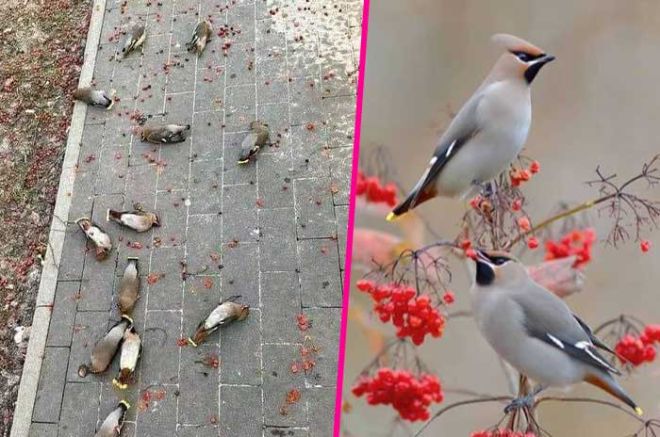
535 67
544 59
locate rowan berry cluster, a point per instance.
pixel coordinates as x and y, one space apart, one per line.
638 350
576 242
519 176
373 189
408 394
414 316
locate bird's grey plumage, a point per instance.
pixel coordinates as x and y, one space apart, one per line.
535 331
164 134
99 238
106 348
200 37
487 133
93 97
137 220
253 141
135 37
111 426
129 287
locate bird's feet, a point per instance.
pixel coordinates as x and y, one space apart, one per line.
519 403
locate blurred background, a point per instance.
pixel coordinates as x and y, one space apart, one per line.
597 104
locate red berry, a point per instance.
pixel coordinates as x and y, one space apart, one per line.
533 243
524 224
645 245
535 167
448 297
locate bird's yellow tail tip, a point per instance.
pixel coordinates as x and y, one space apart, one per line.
391 216
639 411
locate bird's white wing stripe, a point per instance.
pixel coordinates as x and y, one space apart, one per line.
556 341
450 149
586 346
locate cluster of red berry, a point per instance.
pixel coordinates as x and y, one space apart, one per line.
413 315
375 191
577 242
518 176
408 394
502 433
638 350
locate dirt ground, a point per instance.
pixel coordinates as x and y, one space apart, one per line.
41 47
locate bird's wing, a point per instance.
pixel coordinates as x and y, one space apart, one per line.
463 127
548 318
595 340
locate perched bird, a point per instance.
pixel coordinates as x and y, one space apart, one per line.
131 349
138 220
111 426
488 132
164 134
93 97
99 238
256 139
129 287
226 312
106 348
200 36
535 331
135 37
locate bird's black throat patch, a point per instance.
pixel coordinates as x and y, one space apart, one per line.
485 274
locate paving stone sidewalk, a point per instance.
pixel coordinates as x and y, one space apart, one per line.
272 232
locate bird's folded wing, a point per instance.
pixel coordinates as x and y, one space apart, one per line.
548 318
463 127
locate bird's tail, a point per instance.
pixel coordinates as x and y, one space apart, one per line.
606 382
414 199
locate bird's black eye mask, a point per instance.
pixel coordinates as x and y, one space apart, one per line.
485 274
526 57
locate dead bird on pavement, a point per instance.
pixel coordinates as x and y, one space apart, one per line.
106 348
131 349
164 134
111 426
226 312
98 237
135 37
129 287
255 140
93 97
200 37
139 220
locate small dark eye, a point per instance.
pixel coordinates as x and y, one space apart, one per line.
525 57
499 260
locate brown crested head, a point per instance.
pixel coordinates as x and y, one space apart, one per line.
522 58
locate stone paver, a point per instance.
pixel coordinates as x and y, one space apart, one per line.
273 232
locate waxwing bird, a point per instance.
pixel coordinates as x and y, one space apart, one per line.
226 312
99 238
135 37
131 348
535 331
487 133
111 426
93 97
106 348
255 140
129 287
138 219
164 134
200 36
